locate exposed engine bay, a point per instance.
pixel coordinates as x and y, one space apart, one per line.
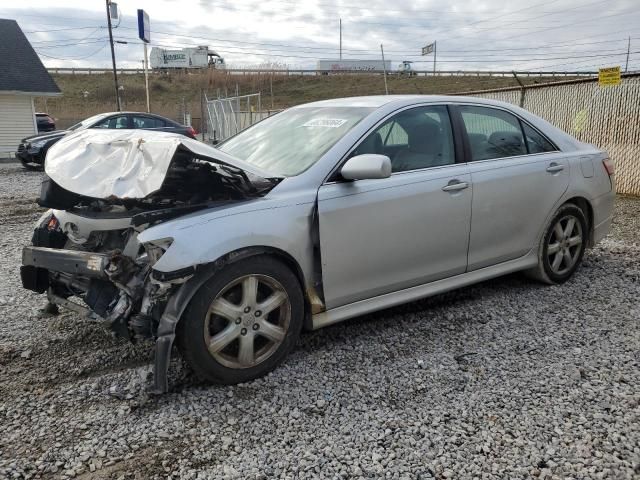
85 254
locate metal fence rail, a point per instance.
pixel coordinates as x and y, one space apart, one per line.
608 117
228 116
287 71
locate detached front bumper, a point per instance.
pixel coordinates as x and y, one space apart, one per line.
38 261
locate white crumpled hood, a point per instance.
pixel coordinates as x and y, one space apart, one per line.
123 163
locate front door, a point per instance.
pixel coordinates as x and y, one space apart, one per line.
380 236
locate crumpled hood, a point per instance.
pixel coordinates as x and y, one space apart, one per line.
125 163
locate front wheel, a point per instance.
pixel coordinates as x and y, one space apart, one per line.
243 322
562 246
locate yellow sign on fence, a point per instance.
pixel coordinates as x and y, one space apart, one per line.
609 76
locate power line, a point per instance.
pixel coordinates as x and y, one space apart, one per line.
312 49
75 58
528 20
75 41
88 42
568 25
63 29
245 50
543 47
458 59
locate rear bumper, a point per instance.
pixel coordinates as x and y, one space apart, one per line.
601 230
37 261
602 215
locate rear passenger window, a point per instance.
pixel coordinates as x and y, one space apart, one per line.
492 133
147 122
536 142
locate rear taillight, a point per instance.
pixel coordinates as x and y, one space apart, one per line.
192 132
609 166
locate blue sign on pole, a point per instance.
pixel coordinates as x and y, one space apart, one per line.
144 30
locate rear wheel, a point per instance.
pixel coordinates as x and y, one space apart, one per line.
242 323
562 247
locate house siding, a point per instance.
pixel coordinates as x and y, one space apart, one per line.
16 121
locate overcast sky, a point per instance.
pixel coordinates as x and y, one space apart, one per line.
481 34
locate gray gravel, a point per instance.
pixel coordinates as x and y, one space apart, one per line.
507 379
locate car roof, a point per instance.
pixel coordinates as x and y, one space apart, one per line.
139 113
127 112
377 101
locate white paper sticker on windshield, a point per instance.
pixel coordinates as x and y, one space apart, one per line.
326 123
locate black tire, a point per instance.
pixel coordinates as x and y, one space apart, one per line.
197 320
545 271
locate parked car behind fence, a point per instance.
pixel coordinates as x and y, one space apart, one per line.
32 150
45 123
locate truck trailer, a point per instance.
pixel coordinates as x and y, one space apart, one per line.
185 58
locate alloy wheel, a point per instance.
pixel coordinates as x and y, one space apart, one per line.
247 321
564 244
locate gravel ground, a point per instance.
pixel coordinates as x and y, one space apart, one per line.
506 379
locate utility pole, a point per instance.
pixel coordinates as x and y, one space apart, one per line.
384 69
113 57
435 47
340 39
146 76
626 65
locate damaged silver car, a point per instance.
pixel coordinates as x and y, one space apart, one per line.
320 213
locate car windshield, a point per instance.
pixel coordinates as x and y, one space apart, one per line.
291 141
88 122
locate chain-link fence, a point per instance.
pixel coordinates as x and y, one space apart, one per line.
608 117
228 116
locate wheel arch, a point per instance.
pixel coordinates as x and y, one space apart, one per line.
583 204
182 297
311 299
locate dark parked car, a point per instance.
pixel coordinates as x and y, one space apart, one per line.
45 122
33 150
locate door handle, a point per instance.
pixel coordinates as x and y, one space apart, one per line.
454 186
554 167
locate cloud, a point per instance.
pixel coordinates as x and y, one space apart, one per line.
555 34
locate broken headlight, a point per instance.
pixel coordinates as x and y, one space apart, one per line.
154 250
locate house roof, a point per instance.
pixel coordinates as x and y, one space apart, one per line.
20 67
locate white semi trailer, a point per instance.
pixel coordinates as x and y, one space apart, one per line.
196 57
354 65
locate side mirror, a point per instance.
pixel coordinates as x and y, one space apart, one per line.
366 166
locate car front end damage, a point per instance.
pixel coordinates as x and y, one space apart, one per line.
85 253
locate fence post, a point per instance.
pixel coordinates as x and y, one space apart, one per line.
203 129
522 89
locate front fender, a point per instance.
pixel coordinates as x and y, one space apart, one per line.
203 239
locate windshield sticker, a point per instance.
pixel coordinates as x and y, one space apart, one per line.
325 123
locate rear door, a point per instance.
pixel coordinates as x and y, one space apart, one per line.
380 236
518 177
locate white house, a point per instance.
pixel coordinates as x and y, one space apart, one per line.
22 77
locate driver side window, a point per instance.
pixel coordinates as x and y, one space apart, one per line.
413 139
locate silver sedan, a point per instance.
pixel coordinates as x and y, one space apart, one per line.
323 212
